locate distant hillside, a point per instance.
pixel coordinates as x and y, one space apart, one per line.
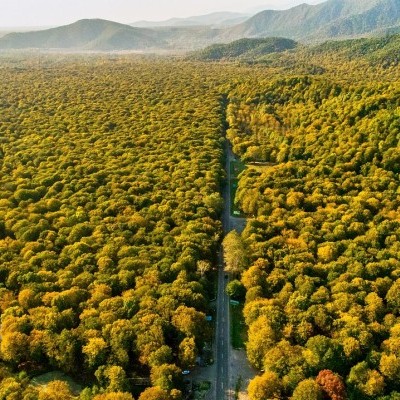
217 19
307 59
245 48
363 53
332 19
96 34
384 51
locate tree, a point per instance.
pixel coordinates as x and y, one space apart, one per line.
324 353
14 347
114 396
112 378
261 338
307 389
154 393
163 355
266 386
166 376
11 388
187 352
390 367
203 267
256 275
236 290
331 384
392 296
235 253
189 321
287 361
366 381
95 351
56 390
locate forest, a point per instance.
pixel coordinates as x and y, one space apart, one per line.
321 190
109 223
111 170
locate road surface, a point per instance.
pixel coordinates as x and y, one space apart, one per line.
222 390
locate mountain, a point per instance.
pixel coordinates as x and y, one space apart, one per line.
90 35
245 48
331 19
382 50
217 19
316 59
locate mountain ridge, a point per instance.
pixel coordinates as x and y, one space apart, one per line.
85 34
216 19
333 19
310 22
244 48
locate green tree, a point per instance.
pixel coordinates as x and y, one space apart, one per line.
236 290
235 253
56 390
265 386
166 376
307 389
187 352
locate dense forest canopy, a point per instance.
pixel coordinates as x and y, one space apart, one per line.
111 174
322 191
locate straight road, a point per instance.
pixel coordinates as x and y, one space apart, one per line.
223 319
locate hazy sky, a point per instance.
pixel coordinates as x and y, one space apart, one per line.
15 13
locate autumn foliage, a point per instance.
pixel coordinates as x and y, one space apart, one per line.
331 384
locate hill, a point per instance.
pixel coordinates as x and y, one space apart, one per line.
218 19
383 50
331 19
93 34
245 48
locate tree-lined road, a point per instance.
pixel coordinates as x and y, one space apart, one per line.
231 365
222 326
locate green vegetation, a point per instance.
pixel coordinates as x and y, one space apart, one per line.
45 379
330 19
201 390
323 246
111 172
236 167
245 48
109 221
238 387
238 327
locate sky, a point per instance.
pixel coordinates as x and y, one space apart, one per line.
31 13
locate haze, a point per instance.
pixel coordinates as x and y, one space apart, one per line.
21 13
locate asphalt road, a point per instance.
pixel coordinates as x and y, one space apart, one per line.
222 330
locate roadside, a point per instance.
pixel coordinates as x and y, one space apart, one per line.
230 374
240 370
